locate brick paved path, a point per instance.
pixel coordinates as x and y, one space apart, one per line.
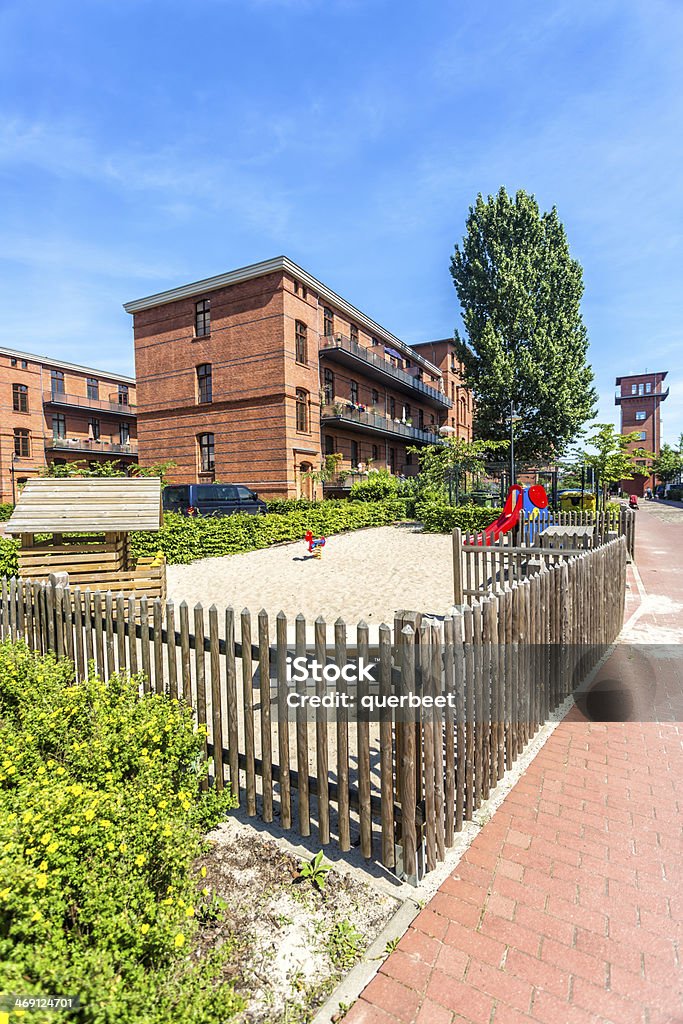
568 906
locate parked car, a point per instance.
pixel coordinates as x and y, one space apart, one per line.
212 499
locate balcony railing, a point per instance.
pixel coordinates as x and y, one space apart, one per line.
619 395
372 361
114 403
378 424
86 444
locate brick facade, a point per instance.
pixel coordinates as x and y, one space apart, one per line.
50 413
295 373
640 396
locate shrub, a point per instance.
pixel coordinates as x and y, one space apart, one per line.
186 538
9 559
6 510
438 518
675 494
281 506
102 815
379 485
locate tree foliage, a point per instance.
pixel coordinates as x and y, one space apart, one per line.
525 341
612 458
668 465
453 459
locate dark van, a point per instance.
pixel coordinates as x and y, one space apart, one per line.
212 499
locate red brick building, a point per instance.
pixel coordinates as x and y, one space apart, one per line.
640 396
255 375
57 412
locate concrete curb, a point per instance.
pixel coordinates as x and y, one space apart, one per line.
360 976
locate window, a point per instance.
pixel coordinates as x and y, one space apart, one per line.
300 289
375 396
642 434
634 389
454 366
329 445
204 384
354 392
328 386
300 342
648 388
301 410
202 318
375 453
13 361
463 410
406 410
328 322
123 394
392 408
94 428
376 342
392 460
22 443
355 454
641 389
57 382
20 398
353 333
452 392
207 460
124 433
641 415
409 459
59 425
420 419
93 388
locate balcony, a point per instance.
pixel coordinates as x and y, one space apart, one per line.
371 423
619 397
350 353
113 404
87 444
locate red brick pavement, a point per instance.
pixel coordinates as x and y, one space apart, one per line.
568 906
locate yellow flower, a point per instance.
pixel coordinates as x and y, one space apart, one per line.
5 893
89 814
52 848
203 872
46 838
123 847
179 940
75 829
189 912
77 789
41 881
110 846
43 865
144 928
41 770
61 771
205 892
140 860
168 831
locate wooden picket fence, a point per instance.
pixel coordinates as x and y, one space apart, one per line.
621 521
398 787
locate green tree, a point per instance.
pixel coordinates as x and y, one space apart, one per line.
613 459
668 464
441 464
525 342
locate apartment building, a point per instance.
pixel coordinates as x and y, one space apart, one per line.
640 396
255 375
57 412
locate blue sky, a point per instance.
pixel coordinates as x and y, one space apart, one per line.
144 144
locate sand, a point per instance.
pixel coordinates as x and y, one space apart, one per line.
366 574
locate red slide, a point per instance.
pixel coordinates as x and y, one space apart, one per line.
508 517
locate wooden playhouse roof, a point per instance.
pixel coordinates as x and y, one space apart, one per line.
88 504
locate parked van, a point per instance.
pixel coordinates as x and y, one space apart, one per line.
212 499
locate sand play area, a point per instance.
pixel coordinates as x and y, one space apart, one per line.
365 574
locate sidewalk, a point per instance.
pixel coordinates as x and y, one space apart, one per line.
568 906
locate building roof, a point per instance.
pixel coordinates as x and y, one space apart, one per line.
280 263
49 361
87 504
634 376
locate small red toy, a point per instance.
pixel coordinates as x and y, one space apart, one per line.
315 544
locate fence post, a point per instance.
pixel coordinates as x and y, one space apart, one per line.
457 567
386 751
406 759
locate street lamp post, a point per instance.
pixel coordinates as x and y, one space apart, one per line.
12 471
514 418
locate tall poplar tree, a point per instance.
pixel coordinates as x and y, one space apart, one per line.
525 341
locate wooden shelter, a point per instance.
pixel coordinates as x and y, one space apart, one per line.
81 526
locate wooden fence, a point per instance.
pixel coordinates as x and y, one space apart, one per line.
621 521
398 786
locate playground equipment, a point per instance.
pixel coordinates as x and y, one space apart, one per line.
315 544
530 500
81 526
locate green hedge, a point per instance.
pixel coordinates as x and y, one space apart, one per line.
6 510
101 816
282 506
184 539
9 560
438 518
